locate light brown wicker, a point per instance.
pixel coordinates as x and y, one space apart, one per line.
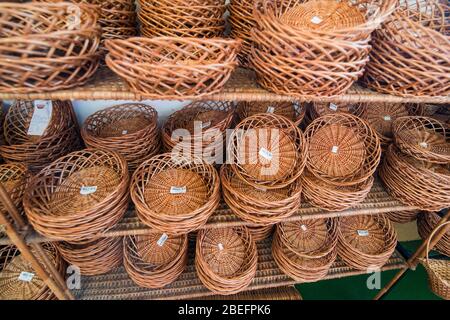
343 149
258 205
319 109
366 242
426 223
155 260
294 111
403 216
174 194
423 138
173 67
416 183
130 129
226 259
47 46
79 196
267 150
260 233
305 250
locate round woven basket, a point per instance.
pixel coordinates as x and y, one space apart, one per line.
305 250
258 205
173 194
47 46
343 149
155 260
15 272
129 129
173 67
93 258
426 223
423 138
226 259
267 150
260 233
79 196
366 242
294 111
334 198
416 183
403 216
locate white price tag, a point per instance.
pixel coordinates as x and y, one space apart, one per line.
26 276
270 109
333 107
220 246
162 240
304 228
266 154
335 149
206 125
42 114
125 132
387 118
178 190
85 190
316 20
423 145
261 189
363 233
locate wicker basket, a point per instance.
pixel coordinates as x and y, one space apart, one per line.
57 52
15 272
79 196
294 111
366 242
260 233
423 138
426 223
343 149
305 250
24 145
199 130
334 198
93 258
438 271
225 259
410 55
403 216
129 129
416 183
173 67
155 260
267 150
314 48
173 194
258 205
319 109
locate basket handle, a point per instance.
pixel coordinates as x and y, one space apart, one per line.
431 237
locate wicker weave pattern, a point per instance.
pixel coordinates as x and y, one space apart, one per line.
403 216
426 223
294 111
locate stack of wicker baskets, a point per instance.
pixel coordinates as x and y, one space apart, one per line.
37 133
316 47
129 129
426 223
404 216
198 130
416 170
181 18
410 55
344 152
294 111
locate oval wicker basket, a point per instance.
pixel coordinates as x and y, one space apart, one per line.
79 196
426 223
130 129
13 265
173 67
93 258
343 149
416 183
226 259
267 150
403 216
57 52
258 205
294 111
423 138
260 233
305 250
367 241
173 194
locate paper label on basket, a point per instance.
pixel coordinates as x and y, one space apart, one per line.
206 125
387 118
162 240
423 145
335 149
266 154
85 190
333 107
270 109
261 189
304 228
26 276
42 114
125 132
363 233
316 20
178 190
220 246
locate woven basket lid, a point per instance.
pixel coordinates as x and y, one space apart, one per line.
281 154
381 116
259 193
337 151
306 236
157 248
224 251
176 191
124 126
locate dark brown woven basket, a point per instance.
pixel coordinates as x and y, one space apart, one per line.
294 111
174 194
79 196
47 46
130 129
173 67
155 260
426 223
226 259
